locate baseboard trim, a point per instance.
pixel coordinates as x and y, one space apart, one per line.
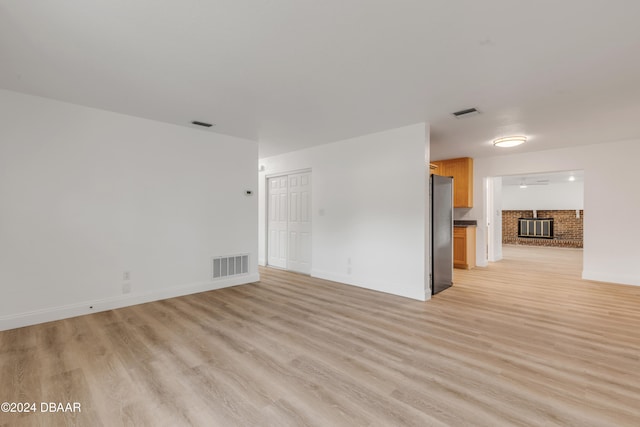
348 280
610 278
79 309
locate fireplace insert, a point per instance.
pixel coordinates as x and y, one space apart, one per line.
541 228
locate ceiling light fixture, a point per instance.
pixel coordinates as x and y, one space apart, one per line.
523 185
509 141
572 178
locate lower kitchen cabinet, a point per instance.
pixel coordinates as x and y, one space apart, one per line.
464 247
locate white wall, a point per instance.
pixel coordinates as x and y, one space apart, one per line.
556 196
369 201
611 202
86 195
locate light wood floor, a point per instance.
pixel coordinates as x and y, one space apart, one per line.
523 342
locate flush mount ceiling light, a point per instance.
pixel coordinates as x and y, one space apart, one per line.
509 141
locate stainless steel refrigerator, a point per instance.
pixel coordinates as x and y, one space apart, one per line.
441 231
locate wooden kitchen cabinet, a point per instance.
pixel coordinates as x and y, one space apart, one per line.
461 170
464 247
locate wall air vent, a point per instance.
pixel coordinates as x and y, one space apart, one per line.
233 265
197 123
466 113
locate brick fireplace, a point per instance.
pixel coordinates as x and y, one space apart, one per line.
567 229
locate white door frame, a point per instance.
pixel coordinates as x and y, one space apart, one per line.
493 214
488 188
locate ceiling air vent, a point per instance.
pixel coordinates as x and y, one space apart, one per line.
197 123
466 113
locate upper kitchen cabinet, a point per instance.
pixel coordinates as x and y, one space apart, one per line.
461 170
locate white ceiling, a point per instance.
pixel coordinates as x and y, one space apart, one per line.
294 73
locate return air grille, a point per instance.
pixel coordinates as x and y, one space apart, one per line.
233 265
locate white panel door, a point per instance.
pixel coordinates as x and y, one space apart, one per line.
277 221
299 227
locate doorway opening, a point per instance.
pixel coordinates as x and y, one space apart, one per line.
550 207
289 221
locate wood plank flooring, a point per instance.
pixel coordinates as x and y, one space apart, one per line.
522 342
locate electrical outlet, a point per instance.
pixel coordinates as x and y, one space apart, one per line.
126 288
126 275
